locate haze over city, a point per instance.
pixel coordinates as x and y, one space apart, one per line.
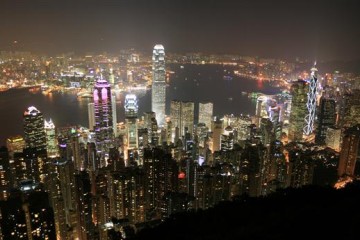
319 29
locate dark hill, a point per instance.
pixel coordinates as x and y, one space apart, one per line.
306 213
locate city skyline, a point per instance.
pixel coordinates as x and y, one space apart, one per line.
227 114
280 29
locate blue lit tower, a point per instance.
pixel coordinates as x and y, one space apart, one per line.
311 102
158 93
103 116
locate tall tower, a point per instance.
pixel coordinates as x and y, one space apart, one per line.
326 118
103 116
349 151
91 114
158 93
131 111
298 110
34 129
206 113
311 102
51 142
114 116
182 116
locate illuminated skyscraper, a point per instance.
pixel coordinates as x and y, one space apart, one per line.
158 93
298 110
131 106
15 144
34 129
206 113
333 138
182 116
103 116
91 114
326 118
311 102
114 117
51 142
349 154
131 111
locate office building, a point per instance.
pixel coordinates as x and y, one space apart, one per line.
311 102
299 110
182 116
34 129
104 129
326 118
206 113
51 141
158 93
349 154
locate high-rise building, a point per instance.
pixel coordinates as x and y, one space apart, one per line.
216 129
182 116
150 123
311 102
326 118
131 111
333 138
34 129
206 113
114 116
4 173
15 144
298 110
158 93
349 154
51 143
104 129
131 106
91 114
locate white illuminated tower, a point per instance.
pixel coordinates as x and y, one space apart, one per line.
51 142
311 102
158 93
103 116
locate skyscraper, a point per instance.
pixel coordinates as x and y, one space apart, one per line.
326 118
206 113
158 93
298 110
51 142
311 102
182 116
349 154
103 116
131 111
34 129
91 114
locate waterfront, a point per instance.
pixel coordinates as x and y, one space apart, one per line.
187 82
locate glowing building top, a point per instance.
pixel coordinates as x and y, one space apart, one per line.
131 106
49 124
31 111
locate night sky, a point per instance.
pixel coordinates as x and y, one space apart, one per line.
317 29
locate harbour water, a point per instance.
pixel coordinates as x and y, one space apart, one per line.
215 83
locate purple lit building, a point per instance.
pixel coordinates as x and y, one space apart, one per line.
103 116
